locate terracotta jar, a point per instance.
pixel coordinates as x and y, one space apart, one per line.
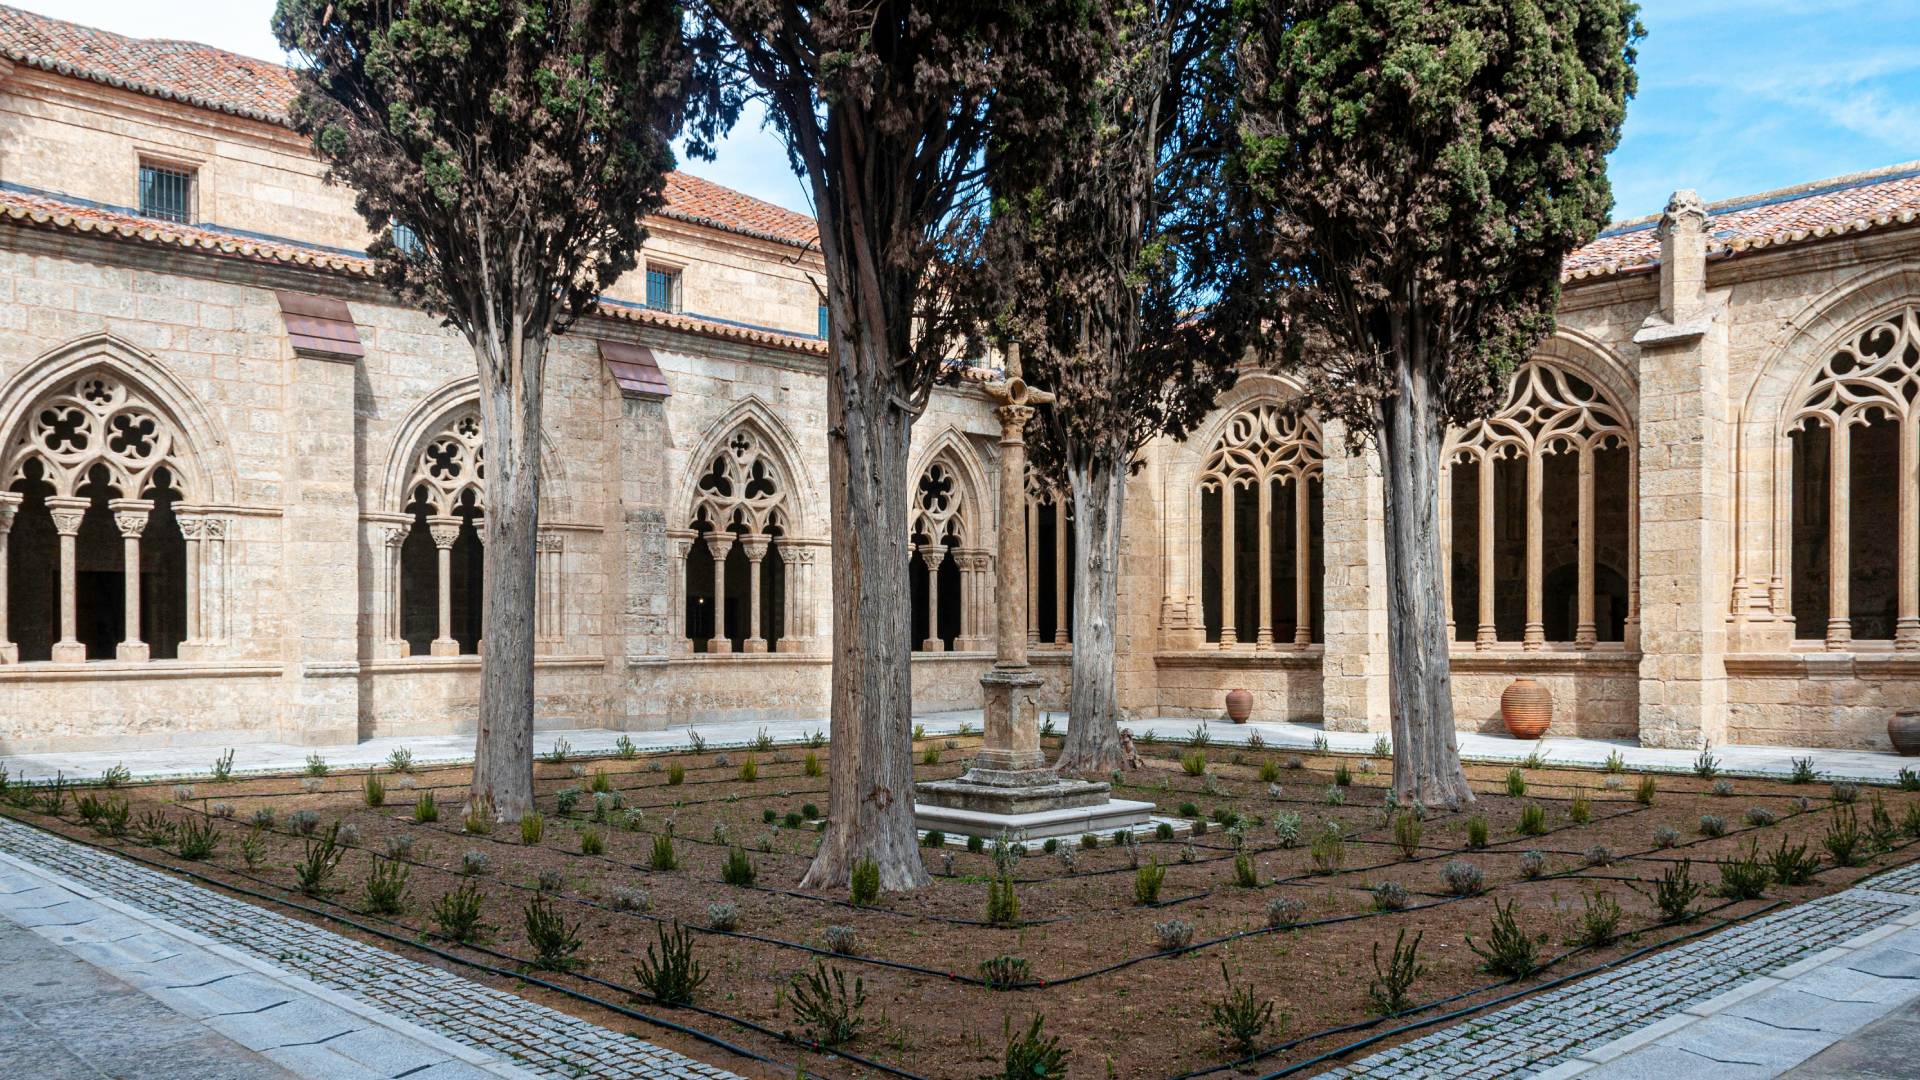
1903 728
1239 706
1527 707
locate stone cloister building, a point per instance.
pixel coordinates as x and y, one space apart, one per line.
240 489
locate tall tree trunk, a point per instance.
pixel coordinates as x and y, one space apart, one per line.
510 402
1099 485
870 797
1426 758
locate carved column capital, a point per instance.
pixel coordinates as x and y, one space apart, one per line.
394 535
67 511
755 546
547 540
131 515
9 505
934 554
718 543
444 531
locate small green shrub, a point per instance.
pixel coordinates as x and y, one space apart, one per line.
1615 763
670 975
1745 877
321 858
479 819
223 767
373 789
934 839
1712 826
317 765
624 749
749 771
1600 925
1533 820
1676 891
532 827
1269 771
738 869
1003 906
425 809
826 1010
1031 1055
1328 849
1580 810
1844 841
662 857
1706 766
1003 972
1516 783
1193 763
1406 833
812 764
456 915
1342 775
554 940
1240 1019
864 883
1803 771
930 756
386 890
1147 881
676 774
1244 873
400 760
1510 951
1390 990
592 842
1477 832
1644 791
197 838
1793 865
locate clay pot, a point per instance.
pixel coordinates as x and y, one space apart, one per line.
1903 728
1239 706
1527 707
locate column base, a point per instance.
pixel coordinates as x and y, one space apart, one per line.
69 652
9 653
443 647
754 645
719 646
132 650
933 645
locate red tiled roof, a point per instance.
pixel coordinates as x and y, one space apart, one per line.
1846 204
177 70
57 215
211 78
704 202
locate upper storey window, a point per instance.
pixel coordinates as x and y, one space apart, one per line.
663 288
166 192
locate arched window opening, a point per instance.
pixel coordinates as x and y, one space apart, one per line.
1051 539
96 536
1853 576
735 582
443 555
1261 520
1539 509
939 611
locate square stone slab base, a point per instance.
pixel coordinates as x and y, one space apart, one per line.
1101 817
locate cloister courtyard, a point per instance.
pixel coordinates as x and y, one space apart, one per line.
247 524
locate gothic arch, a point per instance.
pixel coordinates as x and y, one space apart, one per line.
775 445
138 417
430 418
1763 465
951 452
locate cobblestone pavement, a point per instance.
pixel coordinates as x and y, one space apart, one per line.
1543 1031
540 1040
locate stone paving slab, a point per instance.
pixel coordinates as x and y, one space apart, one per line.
309 1001
1731 1004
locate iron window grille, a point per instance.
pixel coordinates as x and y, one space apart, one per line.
166 193
663 289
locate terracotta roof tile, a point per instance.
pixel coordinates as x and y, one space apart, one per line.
37 210
178 70
1889 196
211 78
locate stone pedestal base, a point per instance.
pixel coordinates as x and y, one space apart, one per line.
1071 819
1011 741
131 650
443 647
69 652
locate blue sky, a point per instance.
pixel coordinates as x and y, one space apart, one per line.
1736 96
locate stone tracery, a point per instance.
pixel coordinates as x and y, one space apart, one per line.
1550 413
1264 541
736 599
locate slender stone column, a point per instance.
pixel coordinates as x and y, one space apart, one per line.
1302 564
9 503
756 550
1906 632
679 643
1487 633
789 599
1032 511
1839 530
1062 599
68 511
718 544
131 517
934 555
1535 637
393 642
1228 635
1585 633
445 531
193 530
1263 519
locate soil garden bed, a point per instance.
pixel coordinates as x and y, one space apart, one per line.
1094 962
